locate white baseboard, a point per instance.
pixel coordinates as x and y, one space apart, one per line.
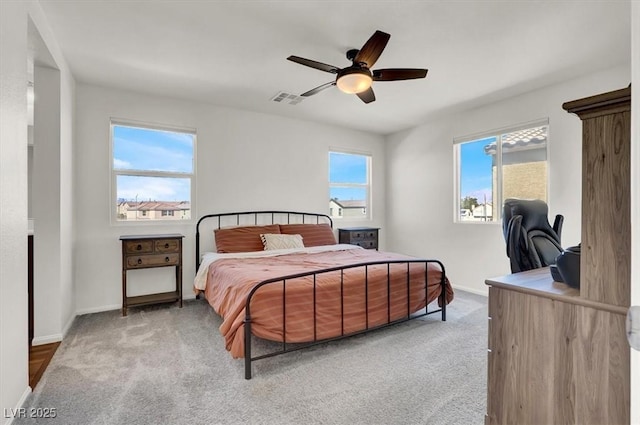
98 309
23 398
47 339
118 306
484 292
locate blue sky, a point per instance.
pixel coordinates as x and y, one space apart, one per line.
142 149
347 168
475 170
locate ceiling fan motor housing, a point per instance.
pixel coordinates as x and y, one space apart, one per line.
356 69
351 54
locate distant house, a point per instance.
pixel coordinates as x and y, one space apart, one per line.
154 210
347 208
482 212
524 164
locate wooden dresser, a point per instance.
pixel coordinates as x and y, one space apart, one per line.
559 355
149 251
366 237
554 357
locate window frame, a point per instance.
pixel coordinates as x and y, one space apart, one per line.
497 133
113 191
367 186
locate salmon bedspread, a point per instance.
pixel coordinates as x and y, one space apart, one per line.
229 281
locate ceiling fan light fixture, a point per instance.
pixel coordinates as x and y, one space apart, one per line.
354 81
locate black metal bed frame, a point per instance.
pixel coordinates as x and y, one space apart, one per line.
248 359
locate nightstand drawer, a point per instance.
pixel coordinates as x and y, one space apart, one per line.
368 244
366 237
167 245
138 247
144 261
363 236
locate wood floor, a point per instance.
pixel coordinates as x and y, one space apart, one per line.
39 358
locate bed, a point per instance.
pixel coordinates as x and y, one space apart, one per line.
281 276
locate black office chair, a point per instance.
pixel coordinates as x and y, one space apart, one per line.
531 241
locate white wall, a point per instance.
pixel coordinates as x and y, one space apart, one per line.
17 47
52 186
67 293
420 170
46 206
245 161
13 205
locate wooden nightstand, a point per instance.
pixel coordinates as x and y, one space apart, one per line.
366 237
148 251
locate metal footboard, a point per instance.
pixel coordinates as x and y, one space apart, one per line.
288 347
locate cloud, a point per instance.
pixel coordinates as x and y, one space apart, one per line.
185 138
155 155
121 164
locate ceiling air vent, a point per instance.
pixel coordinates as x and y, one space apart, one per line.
288 98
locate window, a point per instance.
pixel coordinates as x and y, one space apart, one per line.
349 187
152 172
492 167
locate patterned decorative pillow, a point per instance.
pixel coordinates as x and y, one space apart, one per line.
279 241
242 238
312 234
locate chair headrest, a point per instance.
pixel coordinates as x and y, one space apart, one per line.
534 214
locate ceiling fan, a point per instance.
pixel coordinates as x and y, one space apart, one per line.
357 78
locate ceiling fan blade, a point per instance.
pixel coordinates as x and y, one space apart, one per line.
394 74
367 96
372 49
314 64
318 89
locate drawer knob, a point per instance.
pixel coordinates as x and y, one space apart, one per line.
139 260
139 247
166 259
166 245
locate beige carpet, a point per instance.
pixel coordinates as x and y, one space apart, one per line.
165 365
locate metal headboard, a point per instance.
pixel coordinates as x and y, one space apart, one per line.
259 218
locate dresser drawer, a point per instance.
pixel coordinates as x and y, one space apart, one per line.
156 260
167 245
138 247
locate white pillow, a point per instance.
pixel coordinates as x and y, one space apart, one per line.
280 241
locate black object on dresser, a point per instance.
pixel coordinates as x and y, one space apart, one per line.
148 251
366 237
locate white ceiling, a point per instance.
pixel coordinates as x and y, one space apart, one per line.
233 53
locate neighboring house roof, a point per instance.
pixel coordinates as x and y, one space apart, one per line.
156 206
351 203
530 138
